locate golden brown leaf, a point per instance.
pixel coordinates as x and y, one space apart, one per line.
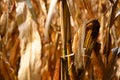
30 44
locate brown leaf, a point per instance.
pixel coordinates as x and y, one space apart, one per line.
14 54
30 44
5 68
3 22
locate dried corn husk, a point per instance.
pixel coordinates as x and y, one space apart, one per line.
30 44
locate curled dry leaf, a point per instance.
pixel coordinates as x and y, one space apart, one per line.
85 38
30 44
78 47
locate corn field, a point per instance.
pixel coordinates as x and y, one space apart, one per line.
59 39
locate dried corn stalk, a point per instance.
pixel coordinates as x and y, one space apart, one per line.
30 44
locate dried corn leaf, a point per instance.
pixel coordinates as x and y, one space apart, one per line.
14 54
31 9
12 29
20 12
85 38
78 47
110 66
57 70
118 65
3 22
5 68
49 17
117 15
43 4
87 5
117 28
30 44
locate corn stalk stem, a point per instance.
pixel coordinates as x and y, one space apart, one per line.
64 66
66 36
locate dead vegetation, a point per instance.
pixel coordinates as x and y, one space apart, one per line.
59 39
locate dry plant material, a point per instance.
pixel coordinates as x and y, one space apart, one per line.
3 22
43 5
107 46
11 31
49 17
36 6
14 55
6 70
45 64
64 70
30 44
65 23
98 67
77 47
31 9
109 72
92 30
87 6
57 71
118 65
85 38
71 7
20 12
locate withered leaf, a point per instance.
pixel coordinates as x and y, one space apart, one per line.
30 44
